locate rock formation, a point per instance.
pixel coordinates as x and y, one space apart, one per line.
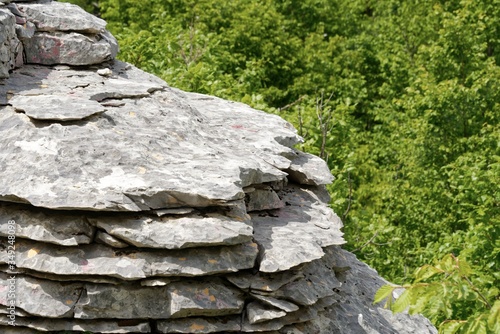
139 208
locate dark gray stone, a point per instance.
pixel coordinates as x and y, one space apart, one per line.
130 264
55 227
257 312
176 300
76 325
263 199
41 297
278 303
200 325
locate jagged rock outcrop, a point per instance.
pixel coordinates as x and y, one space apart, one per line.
139 208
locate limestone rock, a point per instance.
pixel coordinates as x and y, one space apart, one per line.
200 325
42 298
213 170
25 31
73 48
56 108
256 312
210 298
57 228
59 16
304 315
65 34
354 313
17 330
93 326
140 208
122 302
199 230
106 239
263 199
176 300
263 281
309 169
130 264
278 303
297 233
11 49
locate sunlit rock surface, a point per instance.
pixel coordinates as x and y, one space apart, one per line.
140 208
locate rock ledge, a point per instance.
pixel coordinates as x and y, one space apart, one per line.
140 208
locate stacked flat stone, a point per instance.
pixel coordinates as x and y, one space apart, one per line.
140 208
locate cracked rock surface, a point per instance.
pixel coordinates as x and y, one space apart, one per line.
140 208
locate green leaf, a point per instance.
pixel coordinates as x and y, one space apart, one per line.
476 326
450 327
494 317
402 302
426 272
384 292
464 268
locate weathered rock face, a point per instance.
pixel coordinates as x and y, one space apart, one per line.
51 33
139 208
11 49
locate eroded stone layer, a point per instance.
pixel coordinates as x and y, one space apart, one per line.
128 206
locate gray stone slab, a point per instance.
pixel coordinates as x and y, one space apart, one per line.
209 298
263 199
303 315
319 281
56 107
258 312
119 89
200 325
186 159
157 281
76 325
50 48
106 239
55 227
265 282
25 31
298 232
309 169
59 16
10 46
41 297
177 211
66 278
123 302
17 330
130 264
278 303
176 300
172 232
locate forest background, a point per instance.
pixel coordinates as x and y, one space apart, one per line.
400 97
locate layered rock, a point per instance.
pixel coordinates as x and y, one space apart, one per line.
46 32
140 208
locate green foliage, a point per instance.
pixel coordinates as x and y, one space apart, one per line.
442 292
400 97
